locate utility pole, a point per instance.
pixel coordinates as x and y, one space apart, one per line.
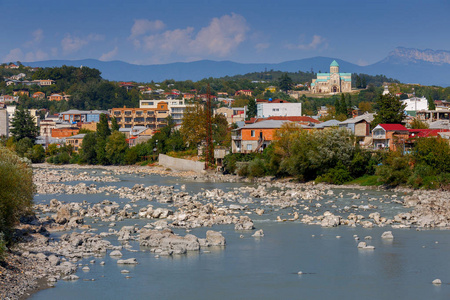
209 154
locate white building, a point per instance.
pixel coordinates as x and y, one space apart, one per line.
415 104
176 107
269 109
4 123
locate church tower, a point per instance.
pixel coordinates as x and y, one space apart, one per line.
334 67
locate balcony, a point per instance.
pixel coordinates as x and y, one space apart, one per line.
379 137
236 137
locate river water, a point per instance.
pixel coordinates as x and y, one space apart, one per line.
266 267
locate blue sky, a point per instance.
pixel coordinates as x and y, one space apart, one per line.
165 31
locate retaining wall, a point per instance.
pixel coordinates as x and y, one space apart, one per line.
180 164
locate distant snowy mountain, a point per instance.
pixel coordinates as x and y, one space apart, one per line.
427 67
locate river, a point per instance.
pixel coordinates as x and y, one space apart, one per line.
265 267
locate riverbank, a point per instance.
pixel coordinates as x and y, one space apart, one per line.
149 215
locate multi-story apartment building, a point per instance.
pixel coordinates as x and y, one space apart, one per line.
176 108
153 118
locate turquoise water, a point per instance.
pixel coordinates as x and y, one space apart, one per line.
267 267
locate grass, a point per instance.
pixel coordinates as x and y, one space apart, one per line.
366 180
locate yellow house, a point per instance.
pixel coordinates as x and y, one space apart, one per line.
271 89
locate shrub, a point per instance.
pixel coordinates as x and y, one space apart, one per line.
337 175
395 169
16 190
36 154
242 168
3 248
256 168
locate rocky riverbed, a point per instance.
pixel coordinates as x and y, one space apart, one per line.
160 210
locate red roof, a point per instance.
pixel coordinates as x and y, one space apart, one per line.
393 127
425 132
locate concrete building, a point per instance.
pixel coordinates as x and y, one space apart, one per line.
176 107
415 104
389 136
254 137
75 116
76 141
4 123
233 114
359 126
153 118
333 82
278 109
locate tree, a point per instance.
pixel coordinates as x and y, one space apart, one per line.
23 125
16 191
365 106
390 110
431 105
285 82
418 124
114 125
251 109
193 127
116 147
103 130
88 149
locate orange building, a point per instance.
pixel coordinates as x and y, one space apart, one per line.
255 137
64 132
21 93
55 97
75 141
152 118
243 92
39 95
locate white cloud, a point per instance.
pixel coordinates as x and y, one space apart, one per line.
38 35
72 44
219 38
18 55
36 56
13 55
362 62
142 26
109 55
316 42
261 46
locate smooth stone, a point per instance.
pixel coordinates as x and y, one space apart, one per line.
437 281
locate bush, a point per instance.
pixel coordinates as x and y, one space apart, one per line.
395 169
256 168
16 191
242 168
36 154
23 145
3 248
337 175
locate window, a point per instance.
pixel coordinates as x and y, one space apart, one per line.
252 134
275 109
249 147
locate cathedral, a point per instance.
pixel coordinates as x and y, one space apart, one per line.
333 82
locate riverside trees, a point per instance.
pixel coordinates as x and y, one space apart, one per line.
16 191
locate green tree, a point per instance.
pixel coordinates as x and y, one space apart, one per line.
116 147
16 191
251 108
431 105
88 149
23 125
103 130
114 125
390 111
23 145
36 154
285 82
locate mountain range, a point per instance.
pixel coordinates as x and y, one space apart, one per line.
427 67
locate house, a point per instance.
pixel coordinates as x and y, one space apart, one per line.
302 120
389 136
18 76
75 141
148 116
433 115
415 104
75 116
9 99
359 126
55 97
127 85
271 89
254 137
137 134
38 95
233 114
188 96
12 66
176 107
21 93
327 124
244 93
65 132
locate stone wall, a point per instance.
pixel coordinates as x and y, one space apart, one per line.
180 164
